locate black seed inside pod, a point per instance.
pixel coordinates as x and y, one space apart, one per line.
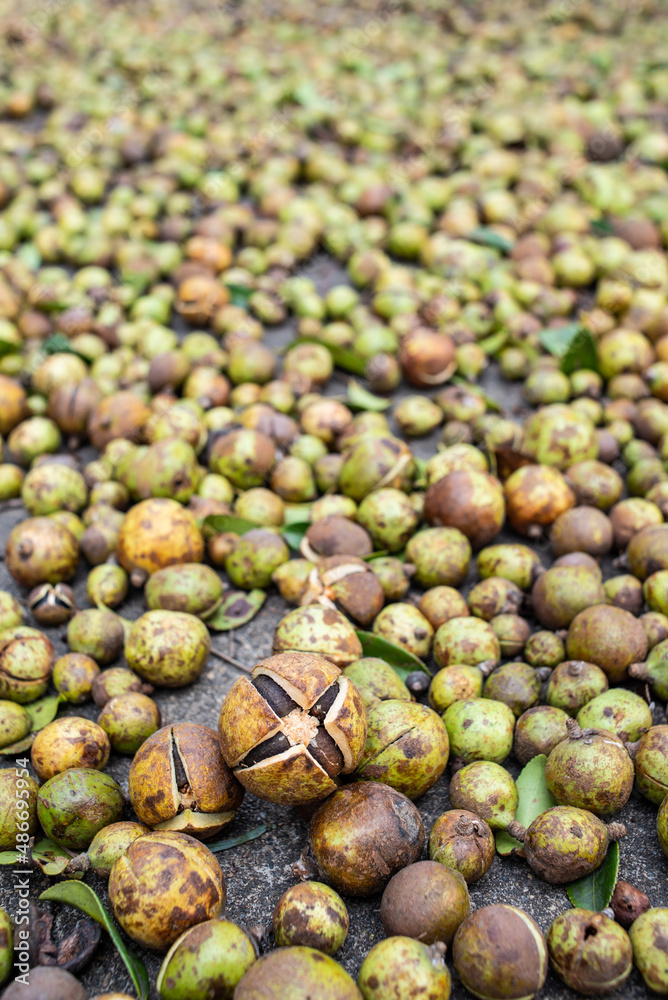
323 749
325 702
270 748
274 695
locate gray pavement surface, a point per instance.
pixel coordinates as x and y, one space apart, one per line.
258 872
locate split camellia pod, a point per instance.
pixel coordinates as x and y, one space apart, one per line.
179 781
165 883
293 728
51 605
590 952
26 656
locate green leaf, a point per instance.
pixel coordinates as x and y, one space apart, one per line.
534 799
594 891
493 343
10 858
582 353
341 356
360 398
81 897
489 238
243 838
51 858
6 347
296 513
240 295
376 555
20 747
293 533
57 343
44 711
601 227
227 522
236 609
401 661
557 339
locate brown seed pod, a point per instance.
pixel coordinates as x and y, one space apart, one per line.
499 952
289 731
463 841
71 406
333 536
427 357
362 835
582 529
469 500
535 497
40 550
121 415
179 781
609 637
425 900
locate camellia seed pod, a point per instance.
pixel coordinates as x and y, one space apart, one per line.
128 720
318 630
112 841
488 790
73 676
26 657
649 937
469 500
650 760
406 747
121 415
49 982
590 769
469 641
559 594
440 557
297 972
15 723
500 954
189 587
538 731
564 843
453 684
590 952
619 711
404 625
157 533
311 914
426 901
336 536
403 967
463 841
40 550
11 614
6 945
362 835
13 820
608 636
179 781
165 883
376 681
375 462
535 497
291 729
97 633
116 681
628 903
207 961
76 804
69 742
479 729
573 683
168 648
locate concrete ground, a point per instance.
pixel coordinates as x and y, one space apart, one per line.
258 872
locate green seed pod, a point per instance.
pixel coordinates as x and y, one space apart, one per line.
34 437
406 747
469 641
107 585
207 961
73 676
479 729
662 825
591 769
190 587
463 841
15 819
417 416
11 614
486 789
654 670
590 952
304 971
292 579
562 592
11 481
624 591
15 723
376 682
6 946
319 630
560 436
115 681
425 900
260 506
389 517
440 604
539 730
650 761
649 938
97 633
647 552
499 952
512 633
128 720
454 684
112 841
167 469
394 576
440 556
574 683
544 649
402 967
494 596
517 563
621 712
469 500
564 843
405 626
255 557
52 487
26 656
75 805
168 648
244 457
313 915
516 685
373 462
